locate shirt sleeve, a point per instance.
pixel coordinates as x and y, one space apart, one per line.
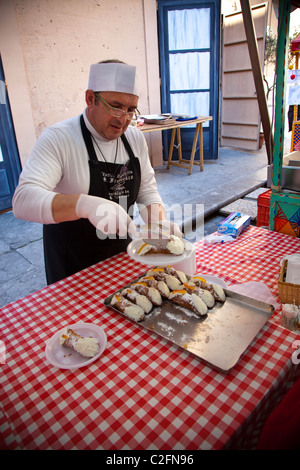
41 173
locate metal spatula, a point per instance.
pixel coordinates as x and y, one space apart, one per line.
153 234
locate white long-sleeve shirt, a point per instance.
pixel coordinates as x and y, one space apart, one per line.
59 164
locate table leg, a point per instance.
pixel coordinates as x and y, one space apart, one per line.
171 147
179 149
201 146
184 163
198 127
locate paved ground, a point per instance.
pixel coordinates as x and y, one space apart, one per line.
232 176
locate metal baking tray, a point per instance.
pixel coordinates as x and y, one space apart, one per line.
220 338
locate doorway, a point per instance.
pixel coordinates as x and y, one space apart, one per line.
189 47
10 167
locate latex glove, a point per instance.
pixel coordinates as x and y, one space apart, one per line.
163 228
107 216
155 219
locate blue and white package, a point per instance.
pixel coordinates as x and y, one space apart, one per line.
234 224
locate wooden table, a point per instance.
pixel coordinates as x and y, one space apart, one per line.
175 126
143 392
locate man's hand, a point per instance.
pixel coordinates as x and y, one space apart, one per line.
155 214
107 216
171 228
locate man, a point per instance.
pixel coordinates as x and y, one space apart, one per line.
86 173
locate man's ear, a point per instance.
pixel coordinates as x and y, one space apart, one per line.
89 97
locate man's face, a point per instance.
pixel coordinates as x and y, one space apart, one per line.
106 125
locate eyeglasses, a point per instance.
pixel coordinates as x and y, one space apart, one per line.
116 112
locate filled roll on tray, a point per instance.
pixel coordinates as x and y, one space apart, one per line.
181 276
150 292
204 294
127 307
161 286
161 275
190 301
138 299
216 290
167 283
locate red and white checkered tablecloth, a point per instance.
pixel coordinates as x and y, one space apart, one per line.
143 392
255 256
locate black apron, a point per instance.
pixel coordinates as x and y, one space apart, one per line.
72 246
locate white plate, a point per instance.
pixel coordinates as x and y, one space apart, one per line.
213 279
65 358
159 259
156 119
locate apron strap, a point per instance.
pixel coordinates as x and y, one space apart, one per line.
88 140
127 146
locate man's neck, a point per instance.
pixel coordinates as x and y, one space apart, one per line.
91 128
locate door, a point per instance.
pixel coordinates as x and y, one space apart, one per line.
10 167
240 117
189 46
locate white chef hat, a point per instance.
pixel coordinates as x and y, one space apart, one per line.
113 76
